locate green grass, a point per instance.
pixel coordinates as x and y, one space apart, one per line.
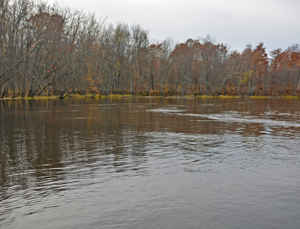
290 97
257 97
152 96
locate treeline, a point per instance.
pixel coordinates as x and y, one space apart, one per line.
52 50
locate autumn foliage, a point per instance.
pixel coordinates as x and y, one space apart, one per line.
48 50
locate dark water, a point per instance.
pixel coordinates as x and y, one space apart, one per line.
150 163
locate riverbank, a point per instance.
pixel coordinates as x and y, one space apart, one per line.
90 96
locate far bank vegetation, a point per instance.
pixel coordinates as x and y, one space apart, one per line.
50 50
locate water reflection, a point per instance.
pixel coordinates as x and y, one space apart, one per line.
50 147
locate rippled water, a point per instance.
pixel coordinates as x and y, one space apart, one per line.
150 163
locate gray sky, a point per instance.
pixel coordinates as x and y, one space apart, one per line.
235 22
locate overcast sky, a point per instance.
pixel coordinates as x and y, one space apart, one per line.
235 22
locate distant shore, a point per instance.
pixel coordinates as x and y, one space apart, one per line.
90 96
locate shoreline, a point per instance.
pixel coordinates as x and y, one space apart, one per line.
89 96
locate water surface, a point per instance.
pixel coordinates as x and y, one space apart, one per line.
150 163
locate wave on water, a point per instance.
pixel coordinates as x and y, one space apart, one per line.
232 116
166 110
225 117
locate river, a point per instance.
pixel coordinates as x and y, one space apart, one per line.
150 163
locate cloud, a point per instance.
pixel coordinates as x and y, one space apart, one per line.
236 22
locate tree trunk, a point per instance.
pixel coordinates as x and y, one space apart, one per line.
5 92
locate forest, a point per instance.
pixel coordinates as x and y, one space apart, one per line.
48 50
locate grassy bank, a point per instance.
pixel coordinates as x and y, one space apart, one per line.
90 96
